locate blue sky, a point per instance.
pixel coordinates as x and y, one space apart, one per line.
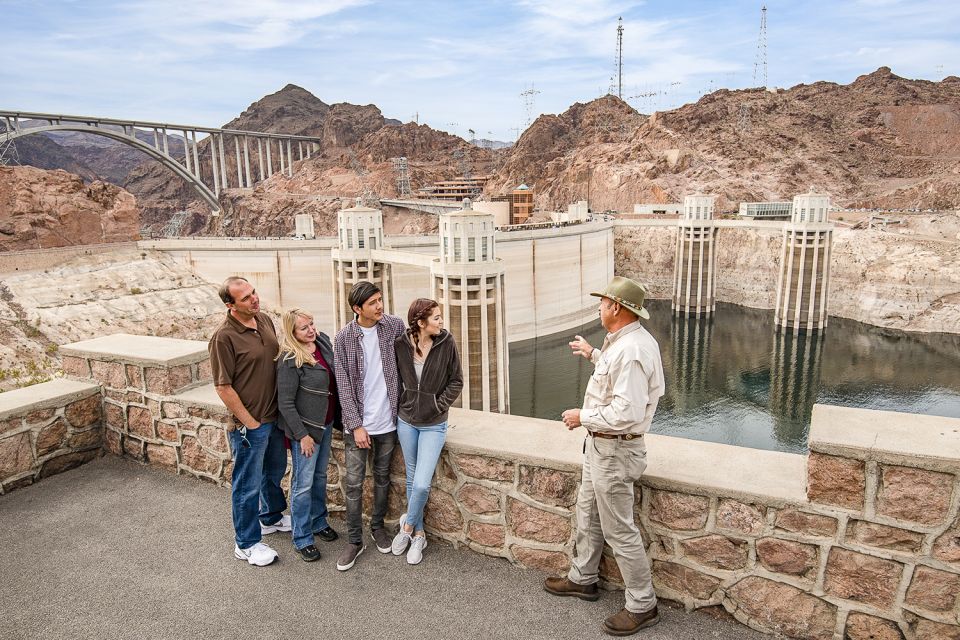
458 65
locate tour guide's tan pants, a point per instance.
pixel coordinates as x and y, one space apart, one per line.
605 510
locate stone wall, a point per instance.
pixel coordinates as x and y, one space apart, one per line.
47 428
138 375
858 540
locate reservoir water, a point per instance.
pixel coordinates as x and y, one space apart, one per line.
735 379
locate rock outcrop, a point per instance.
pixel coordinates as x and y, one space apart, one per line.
40 209
881 141
121 291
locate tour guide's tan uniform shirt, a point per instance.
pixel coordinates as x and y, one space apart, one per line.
243 358
626 384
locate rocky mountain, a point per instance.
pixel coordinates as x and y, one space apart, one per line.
319 184
880 141
355 158
40 209
291 110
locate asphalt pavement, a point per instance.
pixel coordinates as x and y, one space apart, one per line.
114 549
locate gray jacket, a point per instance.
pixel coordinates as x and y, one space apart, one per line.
303 394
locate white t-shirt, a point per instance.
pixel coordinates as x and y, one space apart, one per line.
377 415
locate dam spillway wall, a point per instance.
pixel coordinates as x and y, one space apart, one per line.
549 273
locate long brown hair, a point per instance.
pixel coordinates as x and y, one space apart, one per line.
420 309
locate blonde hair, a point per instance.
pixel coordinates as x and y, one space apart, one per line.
290 347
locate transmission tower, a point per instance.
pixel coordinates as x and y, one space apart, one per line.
620 58
529 95
760 64
369 196
403 178
464 165
8 154
8 151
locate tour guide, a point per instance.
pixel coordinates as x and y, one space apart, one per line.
618 406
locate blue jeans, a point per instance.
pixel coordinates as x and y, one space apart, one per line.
255 486
308 489
421 452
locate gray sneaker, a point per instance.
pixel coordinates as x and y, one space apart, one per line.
402 539
348 557
383 540
415 552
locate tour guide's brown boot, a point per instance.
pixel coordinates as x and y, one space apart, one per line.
626 623
564 587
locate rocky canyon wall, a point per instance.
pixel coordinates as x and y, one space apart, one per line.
885 279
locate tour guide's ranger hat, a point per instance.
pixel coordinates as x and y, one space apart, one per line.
628 293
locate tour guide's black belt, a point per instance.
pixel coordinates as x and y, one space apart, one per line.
614 436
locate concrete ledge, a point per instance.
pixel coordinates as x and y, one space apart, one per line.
139 350
885 436
204 396
672 463
47 395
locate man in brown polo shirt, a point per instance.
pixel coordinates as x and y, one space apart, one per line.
242 350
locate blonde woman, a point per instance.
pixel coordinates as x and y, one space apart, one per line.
307 399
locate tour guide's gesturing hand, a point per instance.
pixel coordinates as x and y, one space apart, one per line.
361 437
581 347
571 417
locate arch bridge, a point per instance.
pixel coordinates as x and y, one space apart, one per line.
199 155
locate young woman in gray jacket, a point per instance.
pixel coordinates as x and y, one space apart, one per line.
307 400
430 381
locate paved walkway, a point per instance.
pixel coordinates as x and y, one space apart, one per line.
117 550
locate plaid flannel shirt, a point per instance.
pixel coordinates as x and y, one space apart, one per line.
348 366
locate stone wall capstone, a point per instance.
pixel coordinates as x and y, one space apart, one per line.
48 428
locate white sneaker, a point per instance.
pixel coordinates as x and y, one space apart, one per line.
415 553
259 555
283 524
401 540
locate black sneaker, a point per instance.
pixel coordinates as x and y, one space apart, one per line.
309 553
383 539
327 534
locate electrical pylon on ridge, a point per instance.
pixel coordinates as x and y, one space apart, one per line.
9 156
403 178
529 95
8 151
460 156
620 58
760 64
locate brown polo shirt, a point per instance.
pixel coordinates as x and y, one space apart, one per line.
243 358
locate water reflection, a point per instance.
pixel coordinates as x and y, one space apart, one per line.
735 379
